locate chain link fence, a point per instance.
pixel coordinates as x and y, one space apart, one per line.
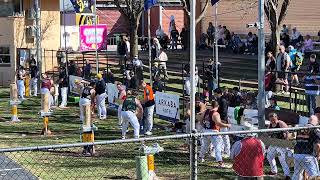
273 153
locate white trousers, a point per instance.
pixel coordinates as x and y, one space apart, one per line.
216 142
128 116
33 85
21 88
45 91
148 118
119 115
305 162
281 153
226 142
64 96
82 103
101 105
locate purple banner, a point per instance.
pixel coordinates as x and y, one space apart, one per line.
87 37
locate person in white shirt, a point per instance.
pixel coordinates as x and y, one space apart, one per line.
163 58
127 46
157 46
138 67
220 35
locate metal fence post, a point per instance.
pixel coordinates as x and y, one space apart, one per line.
295 101
182 87
193 157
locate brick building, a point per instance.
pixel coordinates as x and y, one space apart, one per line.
160 15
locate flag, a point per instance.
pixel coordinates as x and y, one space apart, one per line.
149 3
213 2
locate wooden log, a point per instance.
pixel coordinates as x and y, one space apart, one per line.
45 102
87 115
13 92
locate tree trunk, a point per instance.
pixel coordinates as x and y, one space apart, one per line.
133 40
275 39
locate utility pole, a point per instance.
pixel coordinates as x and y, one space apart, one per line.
261 67
95 35
38 35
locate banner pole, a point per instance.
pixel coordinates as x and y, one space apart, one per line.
95 34
149 44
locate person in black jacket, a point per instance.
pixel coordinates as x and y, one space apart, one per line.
223 111
64 84
101 97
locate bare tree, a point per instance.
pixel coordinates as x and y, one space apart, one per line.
276 11
132 10
186 8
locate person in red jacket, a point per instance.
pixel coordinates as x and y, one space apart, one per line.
248 157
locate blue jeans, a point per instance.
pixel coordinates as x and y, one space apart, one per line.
311 103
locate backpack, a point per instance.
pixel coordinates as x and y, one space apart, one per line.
298 59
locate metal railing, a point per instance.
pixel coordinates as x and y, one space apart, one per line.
123 159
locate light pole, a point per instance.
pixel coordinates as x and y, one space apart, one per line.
38 35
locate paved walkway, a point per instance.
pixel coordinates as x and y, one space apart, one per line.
11 170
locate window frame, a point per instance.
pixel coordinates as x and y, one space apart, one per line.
6 64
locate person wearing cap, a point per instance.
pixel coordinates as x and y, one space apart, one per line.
274 151
87 93
223 111
248 157
148 102
130 109
306 150
64 84
34 72
101 97
212 122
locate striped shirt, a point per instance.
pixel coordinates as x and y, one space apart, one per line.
311 88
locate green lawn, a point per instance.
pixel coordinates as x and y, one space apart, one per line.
115 161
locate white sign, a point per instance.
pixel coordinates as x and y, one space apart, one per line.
72 83
167 105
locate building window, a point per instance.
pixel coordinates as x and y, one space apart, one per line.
5 55
10 8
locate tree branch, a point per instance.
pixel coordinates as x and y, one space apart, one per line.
185 7
284 10
122 10
203 12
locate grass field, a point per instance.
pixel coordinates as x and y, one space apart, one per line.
114 161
